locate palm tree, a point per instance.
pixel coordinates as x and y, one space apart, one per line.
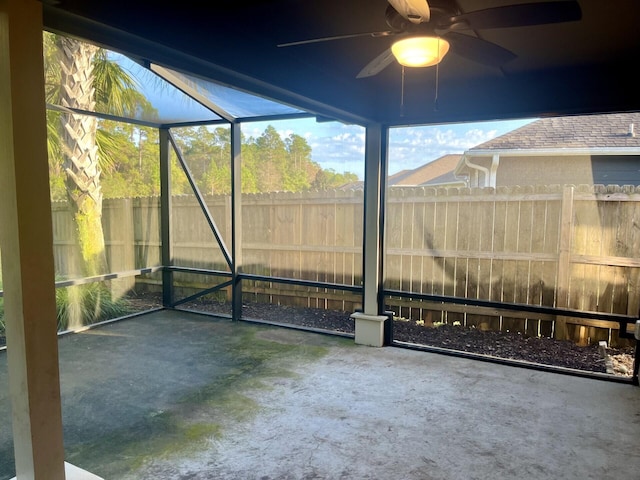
80 76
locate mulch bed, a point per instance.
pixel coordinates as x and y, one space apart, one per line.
507 345
503 345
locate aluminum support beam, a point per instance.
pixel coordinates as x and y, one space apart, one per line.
236 221
165 218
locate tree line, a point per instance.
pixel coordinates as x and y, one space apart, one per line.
269 163
92 158
124 157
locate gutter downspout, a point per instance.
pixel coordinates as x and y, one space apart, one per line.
489 173
473 166
495 162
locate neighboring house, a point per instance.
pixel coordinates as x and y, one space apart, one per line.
578 150
436 173
586 149
357 185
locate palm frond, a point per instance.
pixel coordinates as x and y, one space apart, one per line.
108 145
116 91
52 75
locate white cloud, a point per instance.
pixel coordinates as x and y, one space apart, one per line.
411 147
341 147
285 133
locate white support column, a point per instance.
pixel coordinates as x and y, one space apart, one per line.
26 241
369 323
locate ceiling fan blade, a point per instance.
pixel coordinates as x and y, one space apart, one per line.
478 50
378 64
516 16
337 37
416 11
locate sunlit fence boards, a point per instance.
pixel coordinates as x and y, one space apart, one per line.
568 247
555 246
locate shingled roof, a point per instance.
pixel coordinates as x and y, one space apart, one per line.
580 131
427 173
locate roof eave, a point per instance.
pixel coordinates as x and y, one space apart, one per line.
537 152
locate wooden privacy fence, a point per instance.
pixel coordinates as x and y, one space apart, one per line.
574 247
132 235
569 247
313 236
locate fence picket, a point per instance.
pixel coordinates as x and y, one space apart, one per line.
556 246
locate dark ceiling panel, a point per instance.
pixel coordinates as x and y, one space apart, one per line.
573 67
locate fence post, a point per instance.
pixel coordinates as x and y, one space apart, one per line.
121 226
564 260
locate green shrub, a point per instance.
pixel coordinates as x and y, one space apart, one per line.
81 305
86 304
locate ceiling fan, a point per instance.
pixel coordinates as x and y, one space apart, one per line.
426 31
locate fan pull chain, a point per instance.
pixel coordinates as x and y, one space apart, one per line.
402 93
435 100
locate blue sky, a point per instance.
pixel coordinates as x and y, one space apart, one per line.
341 147
335 145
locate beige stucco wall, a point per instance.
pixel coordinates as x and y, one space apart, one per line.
542 170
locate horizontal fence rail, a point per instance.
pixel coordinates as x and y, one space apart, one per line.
573 248
569 248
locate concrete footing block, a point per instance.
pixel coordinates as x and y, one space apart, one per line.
369 329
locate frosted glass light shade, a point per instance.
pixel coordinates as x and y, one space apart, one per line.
420 51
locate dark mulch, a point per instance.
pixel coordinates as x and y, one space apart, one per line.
504 345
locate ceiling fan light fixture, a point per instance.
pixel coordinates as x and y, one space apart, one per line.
420 51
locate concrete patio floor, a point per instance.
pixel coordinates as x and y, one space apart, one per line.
174 395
